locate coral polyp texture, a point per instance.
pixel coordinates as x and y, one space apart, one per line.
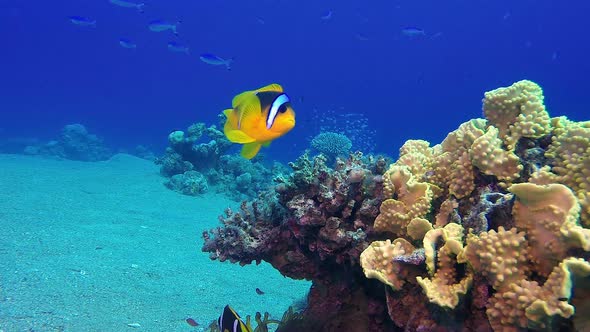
486 231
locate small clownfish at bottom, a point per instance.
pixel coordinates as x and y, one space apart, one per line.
230 321
258 117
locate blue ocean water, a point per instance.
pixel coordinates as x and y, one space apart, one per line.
357 61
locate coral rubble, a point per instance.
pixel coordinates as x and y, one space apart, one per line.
485 231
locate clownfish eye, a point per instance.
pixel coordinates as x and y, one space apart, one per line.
283 108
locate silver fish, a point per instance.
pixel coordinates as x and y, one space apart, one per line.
177 47
215 60
82 21
413 32
128 4
126 43
160 25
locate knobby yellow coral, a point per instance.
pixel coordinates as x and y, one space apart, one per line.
500 256
443 288
526 304
549 215
413 200
377 261
529 257
517 111
569 155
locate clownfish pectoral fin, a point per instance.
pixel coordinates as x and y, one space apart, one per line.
237 136
249 150
271 87
248 112
266 144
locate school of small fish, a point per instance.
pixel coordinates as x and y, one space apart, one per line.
160 26
176 46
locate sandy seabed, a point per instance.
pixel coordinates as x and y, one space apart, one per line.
98 246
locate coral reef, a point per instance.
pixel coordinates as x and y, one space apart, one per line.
74 143
332 144
518 246
313 226
190 183
198 160
486 231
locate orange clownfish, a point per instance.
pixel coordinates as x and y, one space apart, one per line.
258 117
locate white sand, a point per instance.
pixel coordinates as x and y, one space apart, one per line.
96 246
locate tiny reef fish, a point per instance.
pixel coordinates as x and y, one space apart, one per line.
232 322
327 15
177 47
413 31
191 322
161 25
258 117
126 43
128 4
82 21
215 60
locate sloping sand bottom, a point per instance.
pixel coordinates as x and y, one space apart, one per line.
98 246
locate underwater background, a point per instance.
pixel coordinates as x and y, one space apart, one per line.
358 61
95 239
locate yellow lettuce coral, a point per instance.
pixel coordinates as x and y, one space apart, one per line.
413 200
526 304
377 261
444 289
487 154
517 111
500 256
529 263
569 154
549 215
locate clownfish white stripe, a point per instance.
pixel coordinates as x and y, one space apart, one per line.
236 324
279 101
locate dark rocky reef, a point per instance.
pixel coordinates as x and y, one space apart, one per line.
313 225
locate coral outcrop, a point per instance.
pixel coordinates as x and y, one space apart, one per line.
74 143
313 226
528 243
198 159
486 231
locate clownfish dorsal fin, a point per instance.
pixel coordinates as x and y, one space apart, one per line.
271 88
239 99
